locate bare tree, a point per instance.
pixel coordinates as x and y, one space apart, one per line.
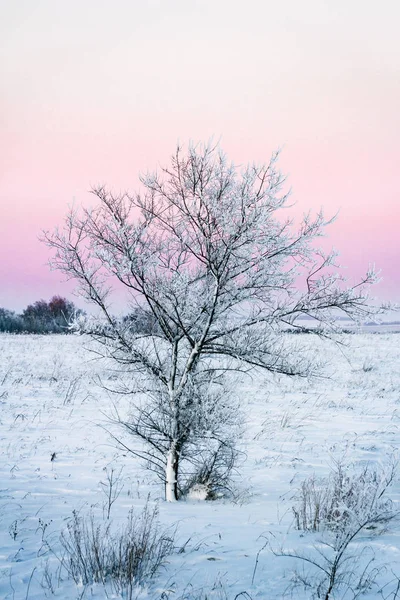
205 251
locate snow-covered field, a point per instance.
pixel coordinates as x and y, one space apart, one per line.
55 451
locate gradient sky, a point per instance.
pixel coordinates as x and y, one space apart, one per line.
95 91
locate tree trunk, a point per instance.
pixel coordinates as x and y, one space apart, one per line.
171 473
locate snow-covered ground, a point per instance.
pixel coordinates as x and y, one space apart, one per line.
52 407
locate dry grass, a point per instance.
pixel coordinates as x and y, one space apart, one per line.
122 559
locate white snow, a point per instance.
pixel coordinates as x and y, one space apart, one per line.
51 403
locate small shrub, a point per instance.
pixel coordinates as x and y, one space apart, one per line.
345 496
343 506
212 476
122 559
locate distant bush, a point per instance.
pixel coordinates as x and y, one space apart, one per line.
11 322
141 321
41 317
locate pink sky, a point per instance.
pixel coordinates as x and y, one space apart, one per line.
97 91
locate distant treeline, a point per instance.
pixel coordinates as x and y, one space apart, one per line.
40 317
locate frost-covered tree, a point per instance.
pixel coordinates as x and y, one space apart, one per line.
10 322
208 256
